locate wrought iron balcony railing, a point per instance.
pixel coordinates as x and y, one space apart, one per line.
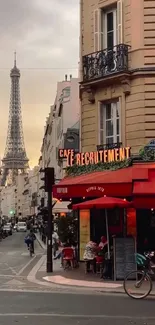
105 62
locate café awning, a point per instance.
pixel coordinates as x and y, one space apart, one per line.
96 184
61 207
118 183
144 192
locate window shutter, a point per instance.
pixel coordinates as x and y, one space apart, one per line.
101 29
96 30
119 21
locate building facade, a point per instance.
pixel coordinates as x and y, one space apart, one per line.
12 198
31 193
117 73
64 114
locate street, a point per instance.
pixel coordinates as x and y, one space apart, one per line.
15 261
26 303
71 309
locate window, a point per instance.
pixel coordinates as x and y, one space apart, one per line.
110 27
66 92
108 30
110 123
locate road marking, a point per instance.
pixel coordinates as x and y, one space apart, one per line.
26 265
12 270
31 275
14 282
78 316
12 276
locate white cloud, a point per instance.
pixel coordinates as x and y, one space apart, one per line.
45 35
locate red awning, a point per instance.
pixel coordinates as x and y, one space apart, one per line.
103 203
144 202
144 192
146 187
117 183
110 183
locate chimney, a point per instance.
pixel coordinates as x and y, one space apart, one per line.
70 76
65 77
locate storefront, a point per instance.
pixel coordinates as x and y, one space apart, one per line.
135 183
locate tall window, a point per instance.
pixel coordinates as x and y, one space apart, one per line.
108 29
110 123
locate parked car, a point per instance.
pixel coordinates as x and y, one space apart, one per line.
21 226
7 229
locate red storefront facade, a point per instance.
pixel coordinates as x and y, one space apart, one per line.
135 183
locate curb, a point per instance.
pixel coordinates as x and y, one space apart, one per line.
71 288
94 289
40 242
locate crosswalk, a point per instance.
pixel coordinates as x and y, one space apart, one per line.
16 253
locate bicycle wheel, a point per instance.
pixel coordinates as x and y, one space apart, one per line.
137 284
31 250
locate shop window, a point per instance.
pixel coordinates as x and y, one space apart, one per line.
110 123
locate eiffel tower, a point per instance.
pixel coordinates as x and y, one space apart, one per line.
15 159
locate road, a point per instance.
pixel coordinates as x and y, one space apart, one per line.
72 309
15 261
23 303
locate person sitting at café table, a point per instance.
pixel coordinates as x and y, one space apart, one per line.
101 251
103 243
89 255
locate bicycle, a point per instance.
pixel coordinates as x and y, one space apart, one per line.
31 249
142 277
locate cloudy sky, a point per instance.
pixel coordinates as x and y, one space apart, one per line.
45 35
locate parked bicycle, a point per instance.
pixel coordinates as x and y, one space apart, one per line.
140 280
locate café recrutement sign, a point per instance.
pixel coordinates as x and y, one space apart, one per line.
94 157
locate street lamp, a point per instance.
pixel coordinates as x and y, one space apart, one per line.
72 136
72 139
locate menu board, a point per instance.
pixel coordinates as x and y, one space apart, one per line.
84 230
124 257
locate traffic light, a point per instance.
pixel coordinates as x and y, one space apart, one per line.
49 179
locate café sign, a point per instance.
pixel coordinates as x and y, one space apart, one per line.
94 157
95 188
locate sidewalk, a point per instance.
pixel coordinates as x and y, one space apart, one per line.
77 278
41 243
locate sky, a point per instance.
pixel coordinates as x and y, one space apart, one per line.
45 35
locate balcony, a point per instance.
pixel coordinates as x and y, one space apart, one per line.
104 63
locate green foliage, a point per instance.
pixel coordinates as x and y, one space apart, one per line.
79 170
147 154
67 228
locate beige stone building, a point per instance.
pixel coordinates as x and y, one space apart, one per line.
117 72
